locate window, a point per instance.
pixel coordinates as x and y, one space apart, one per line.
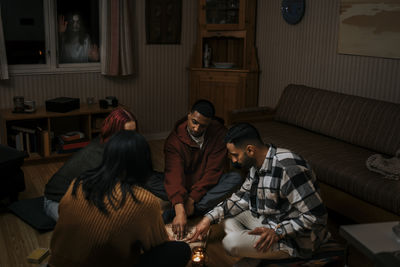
51 35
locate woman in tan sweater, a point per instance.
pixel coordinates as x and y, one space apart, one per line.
108 219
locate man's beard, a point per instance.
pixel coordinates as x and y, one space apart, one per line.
246 164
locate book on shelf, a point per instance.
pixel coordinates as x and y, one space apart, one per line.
31 140
71 146
27 143
74 145
71 136
23 129
61 141
19 141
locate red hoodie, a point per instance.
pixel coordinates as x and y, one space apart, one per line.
189 170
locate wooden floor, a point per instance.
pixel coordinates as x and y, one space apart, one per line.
17 239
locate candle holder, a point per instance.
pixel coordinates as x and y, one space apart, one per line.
198 257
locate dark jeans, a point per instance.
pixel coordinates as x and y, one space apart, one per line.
172 253
227 184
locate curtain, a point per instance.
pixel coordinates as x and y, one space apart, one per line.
117 38
3 55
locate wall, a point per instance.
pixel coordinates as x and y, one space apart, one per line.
306 53
32 9
158 94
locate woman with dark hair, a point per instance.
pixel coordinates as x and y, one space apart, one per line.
107 217
85 159
75 44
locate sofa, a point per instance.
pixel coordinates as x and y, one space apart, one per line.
336 133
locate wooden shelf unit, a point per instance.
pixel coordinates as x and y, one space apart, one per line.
87 119
228 29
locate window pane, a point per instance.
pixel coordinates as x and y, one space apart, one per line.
78 31
23 24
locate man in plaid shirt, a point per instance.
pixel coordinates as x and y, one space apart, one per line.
278 211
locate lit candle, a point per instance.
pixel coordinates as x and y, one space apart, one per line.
198 257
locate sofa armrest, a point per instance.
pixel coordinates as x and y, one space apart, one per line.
251 114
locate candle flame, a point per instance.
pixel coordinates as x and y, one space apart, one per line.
197 259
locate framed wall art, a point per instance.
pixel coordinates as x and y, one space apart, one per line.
370 28
163 21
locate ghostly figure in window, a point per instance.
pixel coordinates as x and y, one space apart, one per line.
74 41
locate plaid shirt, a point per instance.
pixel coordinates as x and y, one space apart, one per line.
284 192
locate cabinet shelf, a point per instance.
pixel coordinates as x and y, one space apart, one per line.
36 132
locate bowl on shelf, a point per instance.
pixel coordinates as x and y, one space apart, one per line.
223 65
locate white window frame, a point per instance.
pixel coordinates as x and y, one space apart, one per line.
51 66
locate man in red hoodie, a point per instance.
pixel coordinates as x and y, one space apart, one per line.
195 159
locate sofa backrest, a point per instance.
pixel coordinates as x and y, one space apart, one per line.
361 121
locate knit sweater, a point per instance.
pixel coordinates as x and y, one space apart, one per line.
84 236
85 159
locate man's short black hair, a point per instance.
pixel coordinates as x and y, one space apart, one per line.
243 134
204 107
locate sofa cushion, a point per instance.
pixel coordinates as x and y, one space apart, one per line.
336 163
361 121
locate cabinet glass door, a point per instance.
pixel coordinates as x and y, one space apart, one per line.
222 11
223 14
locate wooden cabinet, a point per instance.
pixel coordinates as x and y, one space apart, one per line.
224 67
226 89
37 131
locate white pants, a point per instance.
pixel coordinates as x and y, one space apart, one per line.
239 243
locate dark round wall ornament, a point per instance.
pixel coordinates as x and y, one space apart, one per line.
293 10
